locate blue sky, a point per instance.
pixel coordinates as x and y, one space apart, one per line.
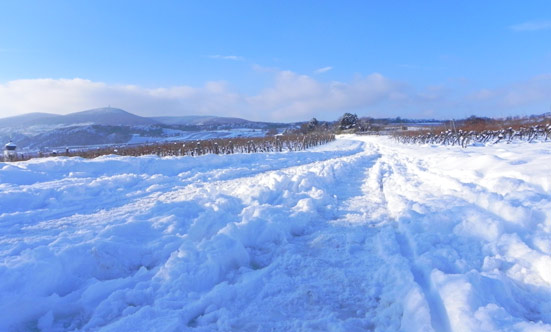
277 60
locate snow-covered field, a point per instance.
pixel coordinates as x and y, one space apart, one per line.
180 135
361 234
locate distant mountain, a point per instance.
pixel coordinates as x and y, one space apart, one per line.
116 117
108 116
115 126
100 116
28 119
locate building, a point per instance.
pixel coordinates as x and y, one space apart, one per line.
10 153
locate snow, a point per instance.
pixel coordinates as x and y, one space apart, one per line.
359 234
180 135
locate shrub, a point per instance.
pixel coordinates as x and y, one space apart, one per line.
348 121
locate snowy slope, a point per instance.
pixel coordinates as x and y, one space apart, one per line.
180 135
359 235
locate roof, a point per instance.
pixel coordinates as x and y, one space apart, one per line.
10 146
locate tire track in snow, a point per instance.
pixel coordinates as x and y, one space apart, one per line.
363 202
462 226
438 314
253 187
358 204
333 245
349 251
376 194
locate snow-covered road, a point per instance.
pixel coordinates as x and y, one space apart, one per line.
362 234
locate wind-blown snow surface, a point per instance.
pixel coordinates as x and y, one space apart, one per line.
361 234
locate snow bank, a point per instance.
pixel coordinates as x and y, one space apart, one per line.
360 234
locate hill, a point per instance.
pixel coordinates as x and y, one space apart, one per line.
99 116
115 126
28 119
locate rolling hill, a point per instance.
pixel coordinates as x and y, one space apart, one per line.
115 126
99 116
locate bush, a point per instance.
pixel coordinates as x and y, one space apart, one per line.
348 121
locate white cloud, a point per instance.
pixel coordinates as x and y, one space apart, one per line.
532 26
301 96
520 94
64 96
290 97
323 70
227 57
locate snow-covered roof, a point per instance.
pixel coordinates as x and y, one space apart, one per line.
10 146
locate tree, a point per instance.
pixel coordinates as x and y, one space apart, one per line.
348 121
313 124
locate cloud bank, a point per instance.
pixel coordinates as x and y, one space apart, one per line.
290 97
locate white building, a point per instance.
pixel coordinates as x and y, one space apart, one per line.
9 151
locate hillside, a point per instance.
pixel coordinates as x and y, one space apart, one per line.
107 116
26 120
99 116
115 126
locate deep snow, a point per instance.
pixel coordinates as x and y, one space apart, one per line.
361 234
